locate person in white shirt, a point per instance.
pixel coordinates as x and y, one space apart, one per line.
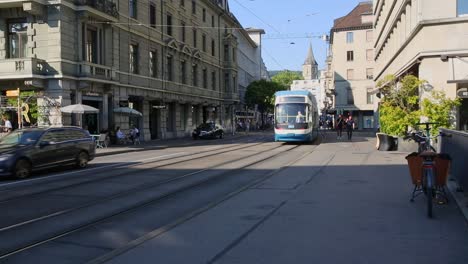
135 133
7 124
120 135
299 117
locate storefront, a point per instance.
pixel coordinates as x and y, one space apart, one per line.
92 121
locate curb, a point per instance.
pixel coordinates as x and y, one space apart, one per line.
459 197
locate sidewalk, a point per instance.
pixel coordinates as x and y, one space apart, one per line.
343 203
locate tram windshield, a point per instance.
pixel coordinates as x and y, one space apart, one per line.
292 113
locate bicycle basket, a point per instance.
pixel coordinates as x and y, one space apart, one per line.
415 163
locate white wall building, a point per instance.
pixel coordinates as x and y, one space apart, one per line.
352 63
427 39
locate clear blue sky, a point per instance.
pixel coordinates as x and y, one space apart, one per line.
291 21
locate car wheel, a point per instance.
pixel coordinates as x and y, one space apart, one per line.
22 169
82 160
221 135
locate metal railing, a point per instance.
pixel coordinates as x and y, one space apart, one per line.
457 147
105 6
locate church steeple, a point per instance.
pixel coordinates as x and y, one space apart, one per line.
310 66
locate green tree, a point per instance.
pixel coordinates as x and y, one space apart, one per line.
286 78
262 94
29 98
400 106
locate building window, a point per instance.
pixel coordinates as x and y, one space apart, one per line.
369 55
204 15
234 82
182 31
17 39
213 24
349 37
370 98
152 16
153 64
132 8
350 55
462 7
369 35
195 75
204 42
194 38
91 45
370 73
183 72
205 78
169 69
226 82
350 97
194 7
350 74
133 58
213 48
226 52
169 25
234 54
213 80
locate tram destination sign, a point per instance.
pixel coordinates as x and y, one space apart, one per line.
292 99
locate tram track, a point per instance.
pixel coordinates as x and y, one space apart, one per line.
128 166
104 206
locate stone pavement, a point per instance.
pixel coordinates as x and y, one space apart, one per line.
344 202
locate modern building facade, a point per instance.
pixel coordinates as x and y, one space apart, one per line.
351 65
427 39
311 75
173 61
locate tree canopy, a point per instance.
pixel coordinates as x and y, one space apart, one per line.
400 106
262 94
286 78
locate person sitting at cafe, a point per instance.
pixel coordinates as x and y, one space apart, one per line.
134 134
120 135
7 127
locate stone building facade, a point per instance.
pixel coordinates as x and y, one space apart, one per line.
173 61
352 65
427 39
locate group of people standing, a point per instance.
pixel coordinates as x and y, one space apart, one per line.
342 123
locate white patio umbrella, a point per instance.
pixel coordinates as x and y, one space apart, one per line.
127 111
79 109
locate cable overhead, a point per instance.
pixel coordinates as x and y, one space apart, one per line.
253 13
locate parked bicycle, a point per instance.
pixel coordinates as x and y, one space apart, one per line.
430 184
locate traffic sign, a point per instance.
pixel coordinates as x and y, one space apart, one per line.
12 93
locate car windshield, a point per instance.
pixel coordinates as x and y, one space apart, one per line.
21 138
206 126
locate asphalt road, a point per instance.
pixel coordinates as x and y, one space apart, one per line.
237 200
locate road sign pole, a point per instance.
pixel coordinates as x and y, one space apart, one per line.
19 109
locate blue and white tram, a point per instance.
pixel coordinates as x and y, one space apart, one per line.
296 116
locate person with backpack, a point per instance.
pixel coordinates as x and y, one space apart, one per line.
339 126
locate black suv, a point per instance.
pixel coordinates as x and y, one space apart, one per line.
22 151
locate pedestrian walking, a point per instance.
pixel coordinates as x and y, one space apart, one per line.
339 126
247 126
349 127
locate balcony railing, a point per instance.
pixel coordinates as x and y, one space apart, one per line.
22 67
95 71
105 6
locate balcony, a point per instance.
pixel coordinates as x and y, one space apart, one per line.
95 71
107 7
21 68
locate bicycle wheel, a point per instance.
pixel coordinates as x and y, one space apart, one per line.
428 178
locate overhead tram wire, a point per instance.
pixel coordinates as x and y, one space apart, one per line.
253 13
